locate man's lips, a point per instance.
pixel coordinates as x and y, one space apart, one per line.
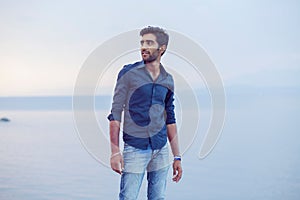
145 53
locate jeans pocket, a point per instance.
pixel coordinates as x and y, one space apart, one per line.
129 152
129 149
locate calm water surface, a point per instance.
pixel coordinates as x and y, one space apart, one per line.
257 157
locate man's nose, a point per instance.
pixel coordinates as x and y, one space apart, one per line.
144 46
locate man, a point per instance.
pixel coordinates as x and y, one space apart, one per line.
145 92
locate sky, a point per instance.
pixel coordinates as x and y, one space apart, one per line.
43 44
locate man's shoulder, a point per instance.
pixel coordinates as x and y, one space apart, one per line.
166 74
128 67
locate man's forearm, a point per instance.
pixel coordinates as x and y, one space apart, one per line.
114 131
173 139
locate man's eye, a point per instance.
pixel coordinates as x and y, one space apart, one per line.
148 42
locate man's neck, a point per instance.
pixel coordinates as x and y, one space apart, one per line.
153 66
154 69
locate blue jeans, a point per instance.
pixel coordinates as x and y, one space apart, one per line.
136 162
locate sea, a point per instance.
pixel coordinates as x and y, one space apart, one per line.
257 156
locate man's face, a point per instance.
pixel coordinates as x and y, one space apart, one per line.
149 48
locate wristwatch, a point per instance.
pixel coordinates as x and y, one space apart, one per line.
177 158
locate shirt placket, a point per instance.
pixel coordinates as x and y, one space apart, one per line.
152 100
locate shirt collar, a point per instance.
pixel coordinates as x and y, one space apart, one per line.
163 72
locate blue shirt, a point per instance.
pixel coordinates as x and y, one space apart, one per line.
148 105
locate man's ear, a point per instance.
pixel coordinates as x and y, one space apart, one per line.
162 49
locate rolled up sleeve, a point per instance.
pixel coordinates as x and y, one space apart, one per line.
119 98
169 107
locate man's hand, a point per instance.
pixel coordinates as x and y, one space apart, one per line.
177 170
116 163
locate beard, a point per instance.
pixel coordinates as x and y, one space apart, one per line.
152 57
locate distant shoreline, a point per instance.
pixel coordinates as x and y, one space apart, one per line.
47 102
